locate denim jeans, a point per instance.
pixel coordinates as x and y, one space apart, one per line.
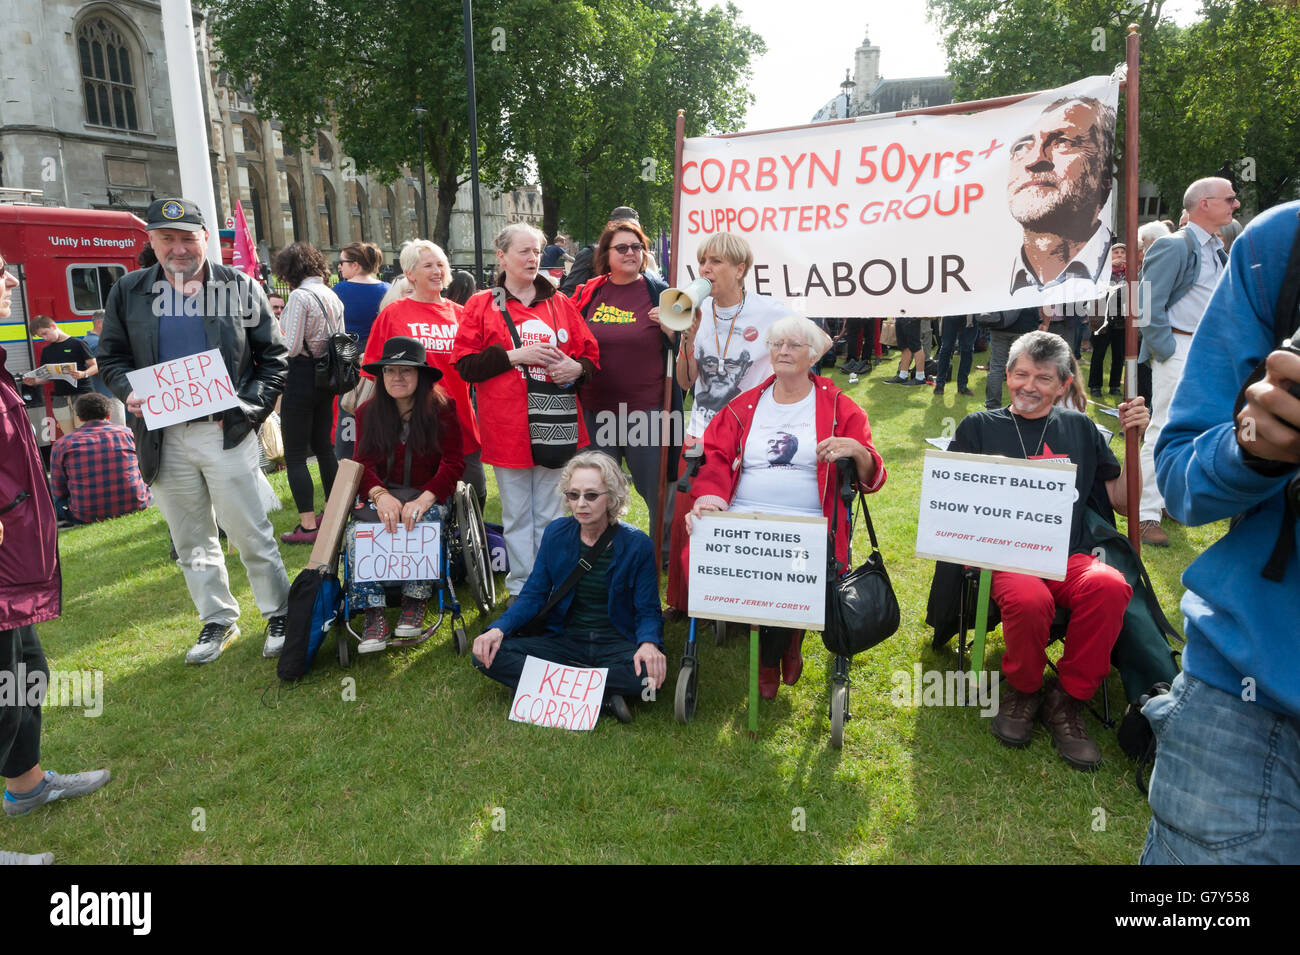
956 335
999 346
1226 784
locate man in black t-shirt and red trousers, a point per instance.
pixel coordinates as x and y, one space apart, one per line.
1033 427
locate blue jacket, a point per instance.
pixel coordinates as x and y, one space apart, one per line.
633 586
1170 268
1238 624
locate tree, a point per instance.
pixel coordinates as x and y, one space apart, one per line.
1198 117
580 91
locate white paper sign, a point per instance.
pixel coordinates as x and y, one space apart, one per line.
175 391
401 555
562 697
910 215
759 569
1001 513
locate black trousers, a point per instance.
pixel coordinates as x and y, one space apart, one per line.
21 658
306 422
571 648
1112 338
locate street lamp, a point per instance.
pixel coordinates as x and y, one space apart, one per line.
420 112
468 19
847 86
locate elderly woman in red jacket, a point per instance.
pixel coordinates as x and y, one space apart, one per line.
552 345
773 450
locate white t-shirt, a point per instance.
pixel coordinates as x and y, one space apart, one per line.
779 472
731 354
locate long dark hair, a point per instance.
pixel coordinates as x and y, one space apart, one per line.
379 424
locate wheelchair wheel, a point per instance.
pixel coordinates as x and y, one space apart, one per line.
345 650
719 633
839 713
687 695
474 549
459 641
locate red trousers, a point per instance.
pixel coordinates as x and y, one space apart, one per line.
1096 595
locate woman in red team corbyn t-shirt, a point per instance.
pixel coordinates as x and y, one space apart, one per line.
556 345
433 322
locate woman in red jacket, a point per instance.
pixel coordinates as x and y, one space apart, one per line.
554 346
773 450
409 444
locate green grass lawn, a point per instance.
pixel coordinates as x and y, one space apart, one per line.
219 764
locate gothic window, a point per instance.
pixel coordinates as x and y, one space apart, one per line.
107 75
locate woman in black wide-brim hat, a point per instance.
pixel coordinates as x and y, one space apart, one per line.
409 443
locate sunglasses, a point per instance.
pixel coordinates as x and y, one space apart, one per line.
627 247
587 496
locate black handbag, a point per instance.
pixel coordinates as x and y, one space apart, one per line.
861 609
338 370
552 412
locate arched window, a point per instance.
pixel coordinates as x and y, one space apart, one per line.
360 203
391 224
295 208
252 140
326 211
324 154
107 74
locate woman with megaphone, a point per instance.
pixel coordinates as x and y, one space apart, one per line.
722 354
620 304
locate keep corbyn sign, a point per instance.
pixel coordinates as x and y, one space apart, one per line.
562 697
172 392
915 215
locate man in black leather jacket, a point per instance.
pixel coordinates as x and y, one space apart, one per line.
183 306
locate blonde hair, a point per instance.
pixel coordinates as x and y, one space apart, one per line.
805 329
399 288
610 473
731 248
409 257
506 237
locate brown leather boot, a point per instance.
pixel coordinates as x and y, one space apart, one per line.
1014 723
1063 715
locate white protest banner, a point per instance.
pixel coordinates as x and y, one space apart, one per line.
558 696
759 569
184 389
401 555
915 215
1001 513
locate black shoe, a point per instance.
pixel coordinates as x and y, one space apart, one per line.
617 707
966 391
1095 392
938 389
1117 392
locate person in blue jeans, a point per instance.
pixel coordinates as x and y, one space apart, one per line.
1226 783
958 332
610 618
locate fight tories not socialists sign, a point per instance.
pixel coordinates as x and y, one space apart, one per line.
1001 513
172 392
759 569
916 215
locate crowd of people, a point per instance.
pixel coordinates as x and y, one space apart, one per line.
540 381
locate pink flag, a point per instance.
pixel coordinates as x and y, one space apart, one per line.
245 254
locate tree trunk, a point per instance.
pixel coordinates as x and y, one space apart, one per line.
550 207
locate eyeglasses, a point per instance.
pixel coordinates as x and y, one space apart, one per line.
1231 198
587 496
627 247
344 262
793 346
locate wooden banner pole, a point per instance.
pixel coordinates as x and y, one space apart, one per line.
1132 462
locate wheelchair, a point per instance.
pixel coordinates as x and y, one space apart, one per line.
463 558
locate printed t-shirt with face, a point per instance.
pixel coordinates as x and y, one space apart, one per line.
732 354
631 349
779 471
1061 435
543 329
433 325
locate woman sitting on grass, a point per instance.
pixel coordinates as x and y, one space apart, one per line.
408 442
610 617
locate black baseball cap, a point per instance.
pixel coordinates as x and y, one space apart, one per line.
174 214
624 212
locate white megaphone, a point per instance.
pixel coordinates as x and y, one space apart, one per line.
677 306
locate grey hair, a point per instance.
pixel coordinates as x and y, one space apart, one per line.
1042 348
507 235
610 473
1199 190
1105 131
410 255
804 329
1150 232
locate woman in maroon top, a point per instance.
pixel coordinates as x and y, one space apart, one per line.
409 444
623 402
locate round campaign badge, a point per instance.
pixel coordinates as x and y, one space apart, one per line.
172 209
562 335
750 333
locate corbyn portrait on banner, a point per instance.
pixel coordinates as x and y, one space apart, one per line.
1058 190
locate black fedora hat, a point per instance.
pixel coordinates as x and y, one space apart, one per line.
404 352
